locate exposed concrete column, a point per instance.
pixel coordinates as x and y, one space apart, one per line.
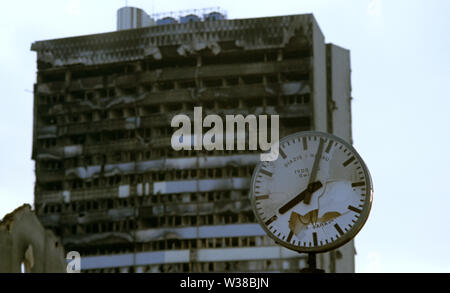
139 66
280 55
140 89
68 78
241 103
119 92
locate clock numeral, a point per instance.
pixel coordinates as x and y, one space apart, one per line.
338 228
283 155
305 144
356 210
290 236
330 144
265 172
270 221
346 163
314 234
356 184
261 197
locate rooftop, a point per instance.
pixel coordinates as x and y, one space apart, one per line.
184 38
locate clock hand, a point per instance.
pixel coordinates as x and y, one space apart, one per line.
315 166
301 196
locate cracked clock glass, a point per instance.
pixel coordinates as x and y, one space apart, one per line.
315 196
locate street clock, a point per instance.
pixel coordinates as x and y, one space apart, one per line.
316 196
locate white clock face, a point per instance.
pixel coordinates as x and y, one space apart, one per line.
316 196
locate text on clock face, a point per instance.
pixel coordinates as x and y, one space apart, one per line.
302 172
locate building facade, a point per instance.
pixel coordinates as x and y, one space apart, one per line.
109 183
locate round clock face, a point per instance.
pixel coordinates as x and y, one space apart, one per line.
315 196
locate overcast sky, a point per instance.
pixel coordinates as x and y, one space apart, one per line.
400 55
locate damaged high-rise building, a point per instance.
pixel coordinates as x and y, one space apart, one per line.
109 183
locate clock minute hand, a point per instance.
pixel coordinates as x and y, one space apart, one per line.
315 166
301 196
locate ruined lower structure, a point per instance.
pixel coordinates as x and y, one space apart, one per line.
27 247
109 183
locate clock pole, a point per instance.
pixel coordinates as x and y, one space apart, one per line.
312 265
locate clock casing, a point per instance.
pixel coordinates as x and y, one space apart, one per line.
316 196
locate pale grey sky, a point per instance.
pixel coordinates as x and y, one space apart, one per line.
401 108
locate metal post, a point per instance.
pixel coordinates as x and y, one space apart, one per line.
312 265
312 261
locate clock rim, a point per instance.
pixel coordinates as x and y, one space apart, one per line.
350 234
